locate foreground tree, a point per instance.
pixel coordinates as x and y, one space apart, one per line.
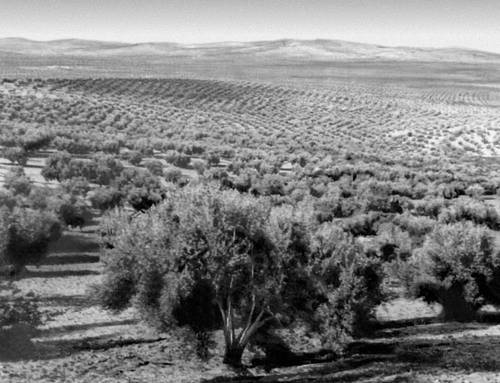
211 259
200 238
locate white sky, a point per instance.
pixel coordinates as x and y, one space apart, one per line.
436 23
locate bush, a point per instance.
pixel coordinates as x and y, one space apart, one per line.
430 207
141 189
469 209
105 198
416 226
134 157
362 224
155 167
328 208
77 186
54 166
352 282
270 184
235 262
26 235
177 159
16 155
74 212
232 259
457 267
475 191
199 165
173 175
17 182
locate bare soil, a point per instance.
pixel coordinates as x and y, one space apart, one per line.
80 342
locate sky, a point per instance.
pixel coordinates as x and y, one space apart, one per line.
426 23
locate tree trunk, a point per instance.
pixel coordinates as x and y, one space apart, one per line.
233 355
455 307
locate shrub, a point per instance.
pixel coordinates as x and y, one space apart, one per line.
199 165
474 191
208 259
328 208
107 168
430 207
177 159
27 235
7 200
74 211
213 158
231 259
141 189
468 209
270 184
111 146
155 167
362 224
77 186
54 166
173 175
105 198
134 157
16 155
352 282
416 226
17 182
457 267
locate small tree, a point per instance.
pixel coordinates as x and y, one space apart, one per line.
16 155
200 240
54 166
77 186
351 281
155 167
28 235
17 182
141 188
199 165
457 267
211 259
105 198
134 157
74 211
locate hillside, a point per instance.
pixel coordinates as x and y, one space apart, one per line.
326 50
286 49
454 123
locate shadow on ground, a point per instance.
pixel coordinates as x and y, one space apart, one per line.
58 273
390 359
71 259
87 326
75 242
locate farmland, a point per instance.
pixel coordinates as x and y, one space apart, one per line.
370 183
392 120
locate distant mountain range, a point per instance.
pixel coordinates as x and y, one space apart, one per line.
317 50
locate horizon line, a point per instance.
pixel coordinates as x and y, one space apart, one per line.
247 41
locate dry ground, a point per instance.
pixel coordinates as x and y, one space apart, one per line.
82 343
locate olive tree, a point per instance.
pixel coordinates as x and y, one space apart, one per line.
212 259
26 235
200 240
458 268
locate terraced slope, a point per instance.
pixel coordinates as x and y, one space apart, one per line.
450 122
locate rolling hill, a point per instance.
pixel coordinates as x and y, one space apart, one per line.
315 50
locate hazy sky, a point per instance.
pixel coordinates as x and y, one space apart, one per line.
464 23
